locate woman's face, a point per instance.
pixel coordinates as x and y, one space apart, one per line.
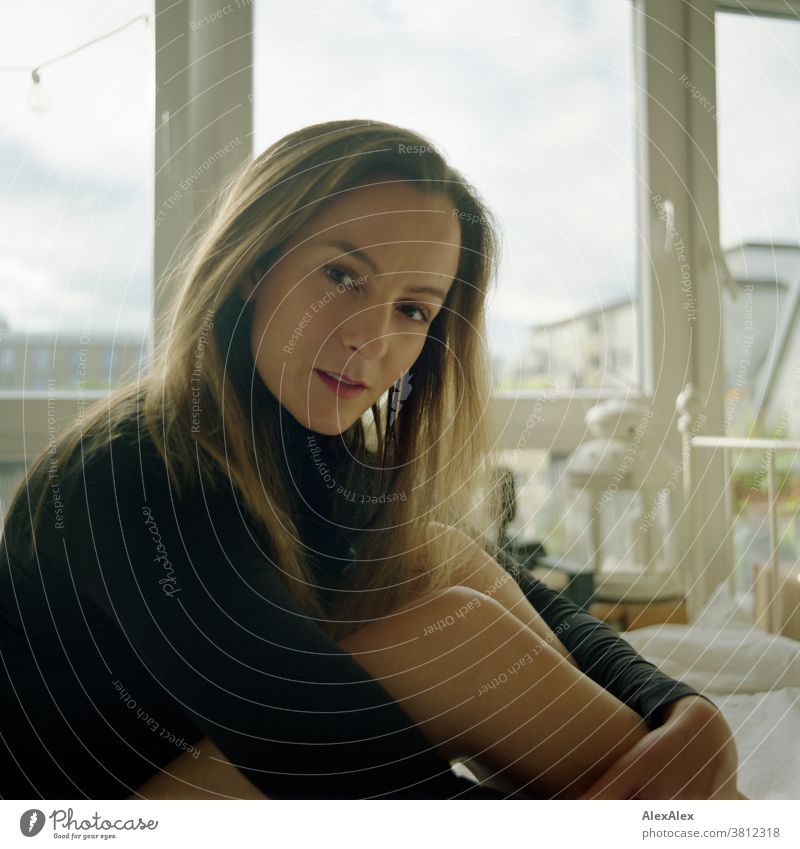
347 298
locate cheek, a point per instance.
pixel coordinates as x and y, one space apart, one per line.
413 349
402 358
278 323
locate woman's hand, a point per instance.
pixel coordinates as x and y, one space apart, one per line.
691 756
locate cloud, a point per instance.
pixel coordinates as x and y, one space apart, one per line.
68 253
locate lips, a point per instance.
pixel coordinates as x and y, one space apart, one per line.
339 387
342 376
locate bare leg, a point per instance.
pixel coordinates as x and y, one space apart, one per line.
483 686
484 574
211 776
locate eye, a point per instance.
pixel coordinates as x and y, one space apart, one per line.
426 316
343 276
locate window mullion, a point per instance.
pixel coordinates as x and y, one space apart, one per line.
204 119
680 274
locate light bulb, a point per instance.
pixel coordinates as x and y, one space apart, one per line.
38 98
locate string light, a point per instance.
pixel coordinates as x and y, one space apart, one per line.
38 98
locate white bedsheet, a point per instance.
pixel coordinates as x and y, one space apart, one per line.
754 679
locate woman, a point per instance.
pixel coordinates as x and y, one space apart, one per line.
249 591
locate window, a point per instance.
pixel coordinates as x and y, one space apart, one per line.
758 91
76 214
759 107
41 360
76 219
542 106
534 103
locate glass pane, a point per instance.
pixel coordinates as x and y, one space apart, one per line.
758 89
76 154
533 103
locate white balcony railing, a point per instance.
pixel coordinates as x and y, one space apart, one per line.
774 613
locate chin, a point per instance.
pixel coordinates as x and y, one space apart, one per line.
326 425
328 431
331 428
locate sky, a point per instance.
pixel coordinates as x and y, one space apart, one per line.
76 180
531 101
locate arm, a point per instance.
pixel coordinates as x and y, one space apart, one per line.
602 653
692 755
208 615
690 752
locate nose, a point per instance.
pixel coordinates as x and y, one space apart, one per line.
368 331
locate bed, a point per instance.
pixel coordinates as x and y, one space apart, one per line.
754 679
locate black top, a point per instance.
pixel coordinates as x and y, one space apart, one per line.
146 622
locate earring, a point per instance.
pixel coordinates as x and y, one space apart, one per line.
398 393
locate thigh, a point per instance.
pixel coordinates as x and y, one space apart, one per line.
484 688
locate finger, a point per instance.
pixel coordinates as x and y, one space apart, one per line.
610 786
625 776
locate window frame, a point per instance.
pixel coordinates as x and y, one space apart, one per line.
204 99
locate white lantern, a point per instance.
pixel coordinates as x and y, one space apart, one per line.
621 511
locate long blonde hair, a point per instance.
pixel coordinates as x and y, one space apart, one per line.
437 451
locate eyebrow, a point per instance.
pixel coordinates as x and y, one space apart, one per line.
352 250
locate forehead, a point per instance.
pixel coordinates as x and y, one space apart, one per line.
396 224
